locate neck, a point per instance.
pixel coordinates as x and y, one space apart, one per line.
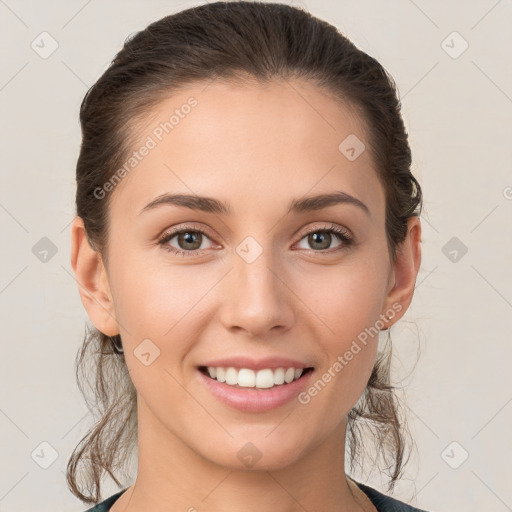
171 476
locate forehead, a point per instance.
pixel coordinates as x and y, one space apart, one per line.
252 145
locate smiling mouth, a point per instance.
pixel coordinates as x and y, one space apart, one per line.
267 378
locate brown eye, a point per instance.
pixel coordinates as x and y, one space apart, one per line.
189 241
321 239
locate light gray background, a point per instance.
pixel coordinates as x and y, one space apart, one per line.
457 111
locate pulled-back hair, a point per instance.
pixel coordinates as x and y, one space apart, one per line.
237 40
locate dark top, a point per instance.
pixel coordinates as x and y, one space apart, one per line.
381 502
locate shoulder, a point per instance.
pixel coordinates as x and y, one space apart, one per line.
385 503
105 506
381 502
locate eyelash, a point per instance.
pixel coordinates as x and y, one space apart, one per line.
166 237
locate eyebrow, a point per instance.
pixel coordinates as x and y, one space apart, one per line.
211 205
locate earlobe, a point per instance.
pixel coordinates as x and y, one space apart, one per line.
92 279
405 270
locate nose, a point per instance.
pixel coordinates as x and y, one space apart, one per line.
256 297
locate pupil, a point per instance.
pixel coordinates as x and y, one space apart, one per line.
326 243
188 238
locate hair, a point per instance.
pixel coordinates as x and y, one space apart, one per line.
228 41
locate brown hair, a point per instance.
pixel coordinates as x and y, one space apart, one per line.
228 40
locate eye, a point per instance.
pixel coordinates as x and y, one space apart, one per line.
189 239
322 238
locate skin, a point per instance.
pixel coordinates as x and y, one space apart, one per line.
256 147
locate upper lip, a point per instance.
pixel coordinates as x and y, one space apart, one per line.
257 364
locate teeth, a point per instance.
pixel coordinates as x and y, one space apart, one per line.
261 379
246 378
265 379
221 374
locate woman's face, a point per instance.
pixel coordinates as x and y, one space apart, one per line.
258 282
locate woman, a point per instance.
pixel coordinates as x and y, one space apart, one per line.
247 223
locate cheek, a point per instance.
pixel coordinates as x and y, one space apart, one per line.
346 305
346 300
151 300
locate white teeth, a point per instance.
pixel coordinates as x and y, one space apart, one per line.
265 379
279 376
221 374
231 377
247 378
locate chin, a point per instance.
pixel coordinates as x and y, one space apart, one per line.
258 453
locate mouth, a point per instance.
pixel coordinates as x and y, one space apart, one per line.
263 379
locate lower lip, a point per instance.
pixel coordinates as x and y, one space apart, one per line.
252 399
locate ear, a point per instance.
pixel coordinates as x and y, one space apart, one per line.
404 272
92 281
